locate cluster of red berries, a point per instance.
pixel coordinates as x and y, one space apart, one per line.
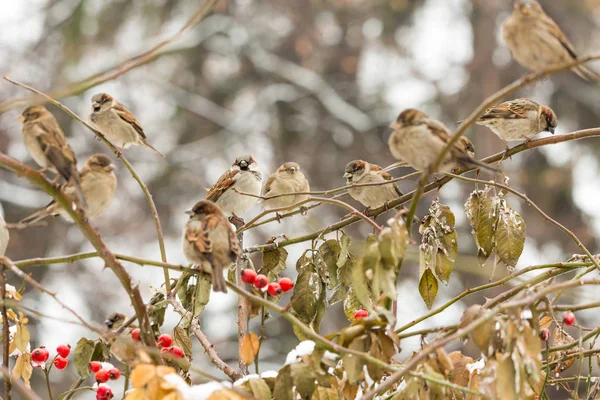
103 373
165 342
361 314
40 355
250 277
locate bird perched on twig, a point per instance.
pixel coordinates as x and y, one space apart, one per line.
537 42
209 241
46 144
518 119
98 183
418 140
286 180
4 236
243 177
117 123
116 320
359 172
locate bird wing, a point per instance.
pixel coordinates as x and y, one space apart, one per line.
128 117
225 182
268 184
54 145
199 236
516 109
387 177
553 28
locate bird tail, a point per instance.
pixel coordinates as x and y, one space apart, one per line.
35 217
149 146
218 282
76 179
478 164
586 73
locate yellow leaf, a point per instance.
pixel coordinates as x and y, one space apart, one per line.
23 368
21 338
225 394
250 347
545 322
137 394
12 315
142 374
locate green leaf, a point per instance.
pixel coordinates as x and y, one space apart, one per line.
307 292
321 308
344 273
428 287
232 273
183 293
101 352
510 235
202 293
330 253
83 355
274 262
260 389
351 305
439 242
284 384
182 340
157 315
352 364
446 256
482 213
339 293
303 377
344 250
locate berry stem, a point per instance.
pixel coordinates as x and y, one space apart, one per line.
47 373
126 374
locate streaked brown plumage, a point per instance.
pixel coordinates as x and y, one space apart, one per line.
537 42
46 143
98 183
287 179
418 140
360 172
209 241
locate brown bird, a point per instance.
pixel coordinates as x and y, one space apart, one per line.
48 147
98 183
115 320
244 177
118 124
418 140
287 179
518 119
537 42
359 172
209 241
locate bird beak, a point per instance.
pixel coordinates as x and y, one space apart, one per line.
292 170
108 323
21 118
189 212
243 164
347 175
551 129
96 105
112 167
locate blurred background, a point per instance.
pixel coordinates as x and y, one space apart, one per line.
314 82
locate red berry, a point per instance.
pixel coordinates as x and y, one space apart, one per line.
261 281
176 352
286 284
40 354
545 334
274 289
248 275
102 376
135 335
361 314
568 318
95 366
64 350
104 393
60 362
114 374
165 340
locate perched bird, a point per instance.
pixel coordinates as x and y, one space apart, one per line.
244 177
359 172
98 182
536 41
4 236
418 140
48 147
117 123
287 179
518 119
209 241
115 320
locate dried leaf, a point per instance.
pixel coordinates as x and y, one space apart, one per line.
561 338
344 250
250 346
545 322
322 393
303 377
23 368
330 253
460 374
284 384
259 388
274 262
351 305
510 235
428 287
307 292
353 365
21 338
182 339
482 213
339 294
84 350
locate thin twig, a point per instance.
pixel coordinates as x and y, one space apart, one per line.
5 334
18 384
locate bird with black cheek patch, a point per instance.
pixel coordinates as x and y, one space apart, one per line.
418 140
537 42
117 123
244 177
46 143
519 119
98 183
287 179
115 320
209 241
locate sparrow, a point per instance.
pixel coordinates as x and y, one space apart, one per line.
210 242
244 177
4 236
359 172
536 41
518 119
98 183
46 143
117 123
287 179
115 320
418 140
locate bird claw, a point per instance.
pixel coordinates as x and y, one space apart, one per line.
278 217
303 210
237 221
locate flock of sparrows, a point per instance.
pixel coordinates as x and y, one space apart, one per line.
535 41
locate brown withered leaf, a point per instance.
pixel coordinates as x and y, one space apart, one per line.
561 338
250 346
460 374
545 322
